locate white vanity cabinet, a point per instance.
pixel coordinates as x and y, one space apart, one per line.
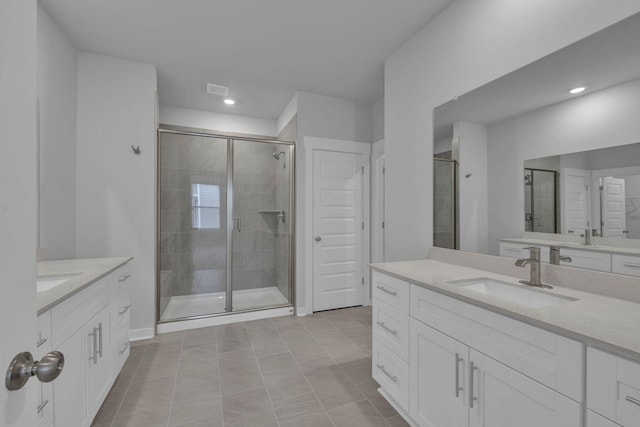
390 353
613 389
45 390
589 260
83 329
517 250
455 385
625 264
472 367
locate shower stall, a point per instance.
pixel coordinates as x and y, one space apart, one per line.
445 203
225 224
541 200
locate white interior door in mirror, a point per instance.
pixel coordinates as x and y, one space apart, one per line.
575 212
613 207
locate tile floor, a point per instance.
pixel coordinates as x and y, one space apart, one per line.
288 372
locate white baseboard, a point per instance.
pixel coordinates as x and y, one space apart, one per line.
141 334
303 311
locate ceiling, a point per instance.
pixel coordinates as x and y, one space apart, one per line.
262 50
604 59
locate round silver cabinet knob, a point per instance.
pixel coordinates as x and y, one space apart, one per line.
22 367
318 238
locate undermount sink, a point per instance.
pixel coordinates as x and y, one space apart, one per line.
517 294
45 283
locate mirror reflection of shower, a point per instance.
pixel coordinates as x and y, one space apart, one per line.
277 157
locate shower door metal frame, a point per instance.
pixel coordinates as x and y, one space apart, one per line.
230 137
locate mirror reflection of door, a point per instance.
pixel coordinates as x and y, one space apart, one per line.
612 196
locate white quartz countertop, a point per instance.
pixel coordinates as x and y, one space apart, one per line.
603 322
569 245
85 271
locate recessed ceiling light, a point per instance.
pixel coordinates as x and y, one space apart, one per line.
229 101
577 90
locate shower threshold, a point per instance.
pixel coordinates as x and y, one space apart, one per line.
185 306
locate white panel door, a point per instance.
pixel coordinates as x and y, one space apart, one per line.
337 230
613 208
575 212
18 171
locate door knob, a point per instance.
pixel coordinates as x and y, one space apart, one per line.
22 367
318 238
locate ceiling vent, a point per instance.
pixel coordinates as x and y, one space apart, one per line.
217 89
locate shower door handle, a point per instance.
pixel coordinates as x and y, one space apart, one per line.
238 224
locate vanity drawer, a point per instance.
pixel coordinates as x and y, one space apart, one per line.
589 260
392 373
120 309
43 335
120 347
625 264
394 292
613 387
78 309
517 250
122 276
391 328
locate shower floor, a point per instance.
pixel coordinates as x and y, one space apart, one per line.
212 303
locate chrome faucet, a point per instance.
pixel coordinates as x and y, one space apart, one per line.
555 257
534 262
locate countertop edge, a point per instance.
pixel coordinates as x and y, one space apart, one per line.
118 262
585 339
617 250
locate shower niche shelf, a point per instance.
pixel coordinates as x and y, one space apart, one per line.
279 213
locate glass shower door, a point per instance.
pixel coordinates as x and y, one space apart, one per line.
262 203
541 200
192 235
445 204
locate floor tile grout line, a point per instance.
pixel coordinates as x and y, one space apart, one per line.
266 389
175 379
356 386
303 374
124 397
215 330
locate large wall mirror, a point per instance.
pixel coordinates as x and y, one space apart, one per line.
534 158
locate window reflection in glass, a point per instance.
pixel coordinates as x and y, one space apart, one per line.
205 206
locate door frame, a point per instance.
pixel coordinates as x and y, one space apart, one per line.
377 201
312 144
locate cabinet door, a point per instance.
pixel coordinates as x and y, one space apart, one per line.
70 392
98 334
501 396
595 420
437 384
